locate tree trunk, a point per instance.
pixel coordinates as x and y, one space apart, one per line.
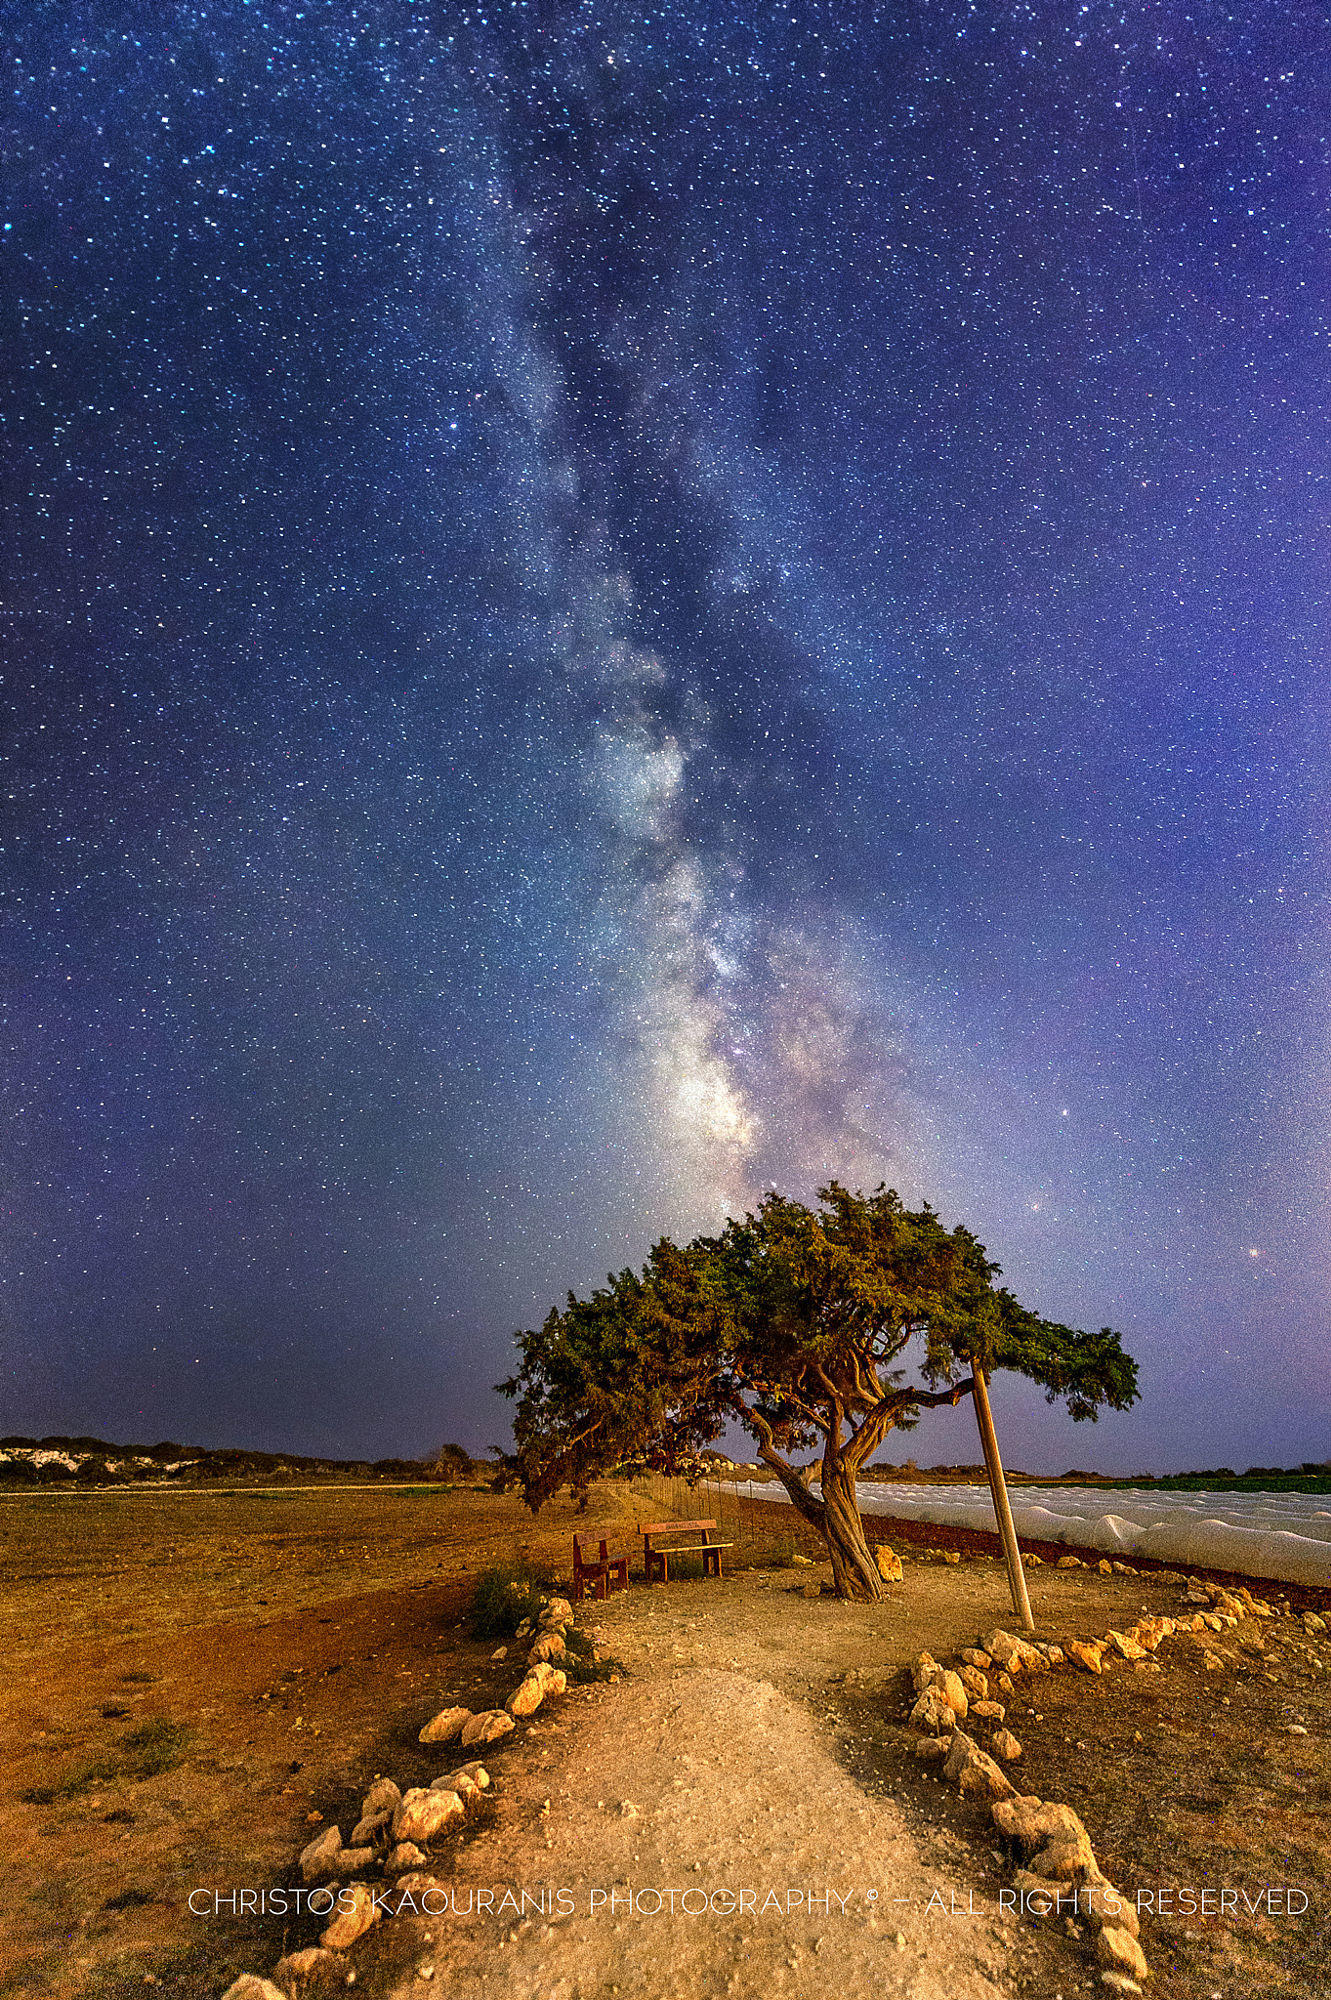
842 1528
836 1517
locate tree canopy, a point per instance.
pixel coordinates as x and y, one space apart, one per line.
821 1327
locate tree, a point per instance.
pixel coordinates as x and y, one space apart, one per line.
798 1324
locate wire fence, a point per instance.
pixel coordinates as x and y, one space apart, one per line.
755 1541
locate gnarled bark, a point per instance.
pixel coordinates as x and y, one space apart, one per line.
836 1517
853 1566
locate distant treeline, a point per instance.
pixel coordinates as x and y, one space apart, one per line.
1307 1478
90 1461
1310 1477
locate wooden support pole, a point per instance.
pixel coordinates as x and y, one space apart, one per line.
993 1465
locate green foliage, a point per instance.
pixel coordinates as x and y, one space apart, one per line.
581 1668
145 1751
1085 1370
1210 1482
504 1596
793 1322
614 1380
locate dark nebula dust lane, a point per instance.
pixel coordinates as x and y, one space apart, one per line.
607 607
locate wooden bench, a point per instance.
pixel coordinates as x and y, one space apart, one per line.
656 1560
594 1565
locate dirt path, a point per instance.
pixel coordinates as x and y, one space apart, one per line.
719 1771
704 1777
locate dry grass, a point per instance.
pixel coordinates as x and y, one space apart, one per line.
188 1677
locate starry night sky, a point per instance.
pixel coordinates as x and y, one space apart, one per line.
607 607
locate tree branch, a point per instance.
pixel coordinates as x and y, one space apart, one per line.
933 1399
874 1428
801 1498
869 1436
807 1411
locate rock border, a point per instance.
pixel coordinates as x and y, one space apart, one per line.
1059 1875
396 1829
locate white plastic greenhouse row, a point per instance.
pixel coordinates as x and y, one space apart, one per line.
1280 1535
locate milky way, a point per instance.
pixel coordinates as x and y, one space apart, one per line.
608 608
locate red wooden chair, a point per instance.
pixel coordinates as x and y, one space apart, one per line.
597 1574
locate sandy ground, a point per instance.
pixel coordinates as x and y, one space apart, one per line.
757 1745
297 1642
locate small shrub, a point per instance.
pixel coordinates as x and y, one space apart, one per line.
155 1746
78 1778
128 1899
504 1597
581 1667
